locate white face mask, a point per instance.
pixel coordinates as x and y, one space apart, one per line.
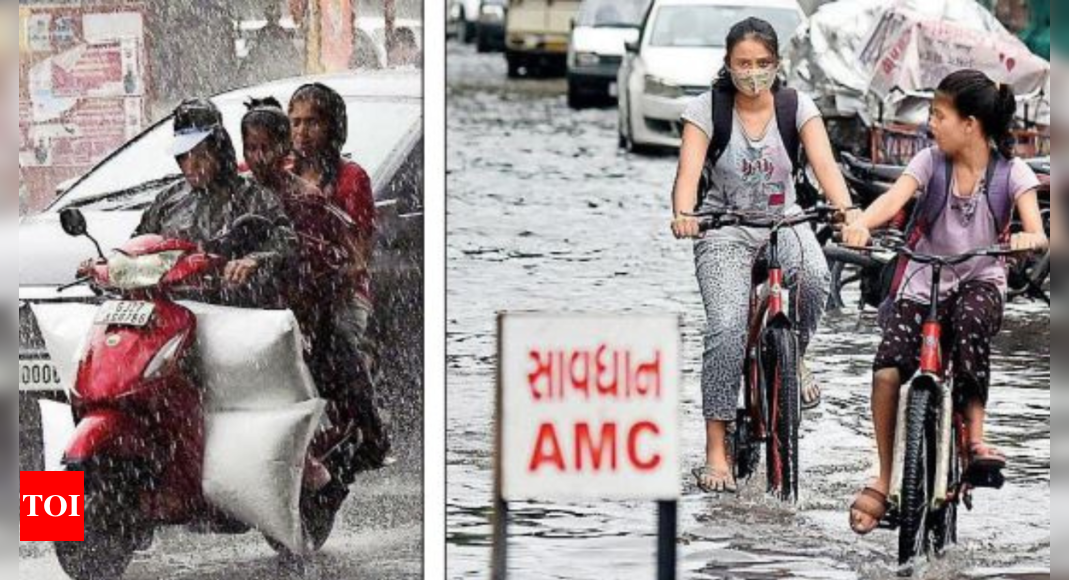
754 82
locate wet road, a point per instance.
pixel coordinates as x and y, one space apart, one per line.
545 213
379 536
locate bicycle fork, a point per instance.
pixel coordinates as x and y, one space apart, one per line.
932 376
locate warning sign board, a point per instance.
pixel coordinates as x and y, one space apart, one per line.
589 408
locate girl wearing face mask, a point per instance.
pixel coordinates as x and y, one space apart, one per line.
753 174
972 117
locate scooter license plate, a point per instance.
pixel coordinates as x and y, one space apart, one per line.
125 313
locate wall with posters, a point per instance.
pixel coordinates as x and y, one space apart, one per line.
82 89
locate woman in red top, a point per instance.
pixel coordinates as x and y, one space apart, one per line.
320 122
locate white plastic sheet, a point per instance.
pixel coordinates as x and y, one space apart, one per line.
855 51
262 407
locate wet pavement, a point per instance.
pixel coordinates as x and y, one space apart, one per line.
379 536
546 214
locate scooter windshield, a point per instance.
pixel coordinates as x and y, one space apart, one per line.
136 272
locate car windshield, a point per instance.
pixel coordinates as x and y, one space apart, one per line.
136 174
698 26
613 13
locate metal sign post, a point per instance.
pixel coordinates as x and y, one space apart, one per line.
588 410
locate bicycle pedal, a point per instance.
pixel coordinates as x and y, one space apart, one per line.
890 522
985 479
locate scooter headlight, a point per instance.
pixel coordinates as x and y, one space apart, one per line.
134 272
164 359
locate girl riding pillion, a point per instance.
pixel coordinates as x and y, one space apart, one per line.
966 189
754 173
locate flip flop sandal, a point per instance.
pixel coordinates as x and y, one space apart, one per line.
871 503
986 459
725 479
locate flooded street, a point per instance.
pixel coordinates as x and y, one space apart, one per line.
546 214
378 536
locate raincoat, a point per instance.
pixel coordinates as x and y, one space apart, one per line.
199 216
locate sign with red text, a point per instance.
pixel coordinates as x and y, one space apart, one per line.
51 506
589 407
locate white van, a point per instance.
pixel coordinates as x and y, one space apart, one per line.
536 36
601 31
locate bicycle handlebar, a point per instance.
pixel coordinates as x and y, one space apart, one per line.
1000 251
714 220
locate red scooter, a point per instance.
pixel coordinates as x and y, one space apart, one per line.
139 437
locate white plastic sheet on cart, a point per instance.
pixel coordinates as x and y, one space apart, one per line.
261 408
855 51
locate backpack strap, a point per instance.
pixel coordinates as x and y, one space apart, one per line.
723 104
787 119
999 193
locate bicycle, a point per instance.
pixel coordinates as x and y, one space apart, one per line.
771 407
932 476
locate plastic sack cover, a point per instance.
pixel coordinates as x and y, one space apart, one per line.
250 359
253 467
261 414
65 330
855 51
57 428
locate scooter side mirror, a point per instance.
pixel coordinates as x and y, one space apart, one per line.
73 222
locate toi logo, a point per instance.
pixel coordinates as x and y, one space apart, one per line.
51 506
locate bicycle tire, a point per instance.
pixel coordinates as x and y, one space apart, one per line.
917 476
945 522
785 421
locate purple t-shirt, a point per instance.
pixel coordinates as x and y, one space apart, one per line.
966 225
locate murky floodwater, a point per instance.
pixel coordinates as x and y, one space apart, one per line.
545 213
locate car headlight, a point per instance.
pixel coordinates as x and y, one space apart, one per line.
493 12
659 88
587 59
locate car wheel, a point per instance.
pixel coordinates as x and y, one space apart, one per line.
577 99
515 64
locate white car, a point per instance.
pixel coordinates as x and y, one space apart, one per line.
679 54
596 50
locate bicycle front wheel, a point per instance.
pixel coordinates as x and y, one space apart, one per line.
783 381
917 480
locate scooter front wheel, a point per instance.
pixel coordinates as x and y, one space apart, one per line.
111 536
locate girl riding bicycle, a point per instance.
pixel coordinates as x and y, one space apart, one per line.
754 171
966 189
